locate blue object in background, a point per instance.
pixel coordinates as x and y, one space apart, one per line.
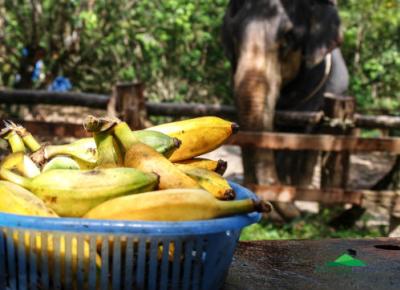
25 52
37 70
60 84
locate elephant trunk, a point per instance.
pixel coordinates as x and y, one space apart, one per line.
256 92
257 82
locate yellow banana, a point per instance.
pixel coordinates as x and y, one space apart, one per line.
61 162
22 163
108 151
143 157
173 205
74 192
209 180
198 135
82 151
17 200
219 166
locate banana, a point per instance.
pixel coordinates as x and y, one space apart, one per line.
82 151
162 143
22 163
74 192
218 166
17 200
173 205
209 180
198 135
61 162
143 157
108 151
14 140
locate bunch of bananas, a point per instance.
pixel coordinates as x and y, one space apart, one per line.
153 174
119 174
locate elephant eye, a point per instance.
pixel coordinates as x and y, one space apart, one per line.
287 43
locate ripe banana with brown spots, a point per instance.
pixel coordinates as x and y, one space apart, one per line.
219 166
209 180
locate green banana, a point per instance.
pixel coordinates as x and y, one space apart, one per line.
22 163
163 143
74 192
173 205
61 162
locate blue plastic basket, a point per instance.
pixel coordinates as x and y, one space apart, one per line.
134 255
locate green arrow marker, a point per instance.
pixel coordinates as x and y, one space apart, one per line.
346 260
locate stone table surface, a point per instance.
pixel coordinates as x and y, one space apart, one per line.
339 264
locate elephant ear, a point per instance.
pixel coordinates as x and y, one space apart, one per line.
324 33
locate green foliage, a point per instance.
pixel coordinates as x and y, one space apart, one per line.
174 47
372 52
308 226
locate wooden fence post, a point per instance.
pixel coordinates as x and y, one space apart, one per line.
335 166
128 104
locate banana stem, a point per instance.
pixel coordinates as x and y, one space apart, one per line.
222 165
15 178
227 208
53 150
124 135
31 142
15 141
108 151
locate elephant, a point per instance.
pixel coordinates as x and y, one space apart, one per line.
284 55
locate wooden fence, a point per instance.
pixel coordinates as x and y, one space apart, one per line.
338 118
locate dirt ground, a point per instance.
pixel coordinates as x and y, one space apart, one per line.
365 171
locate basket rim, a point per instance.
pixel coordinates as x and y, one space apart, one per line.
120 227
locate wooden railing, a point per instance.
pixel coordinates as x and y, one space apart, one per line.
339 119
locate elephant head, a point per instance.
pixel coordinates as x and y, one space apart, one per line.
269 43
